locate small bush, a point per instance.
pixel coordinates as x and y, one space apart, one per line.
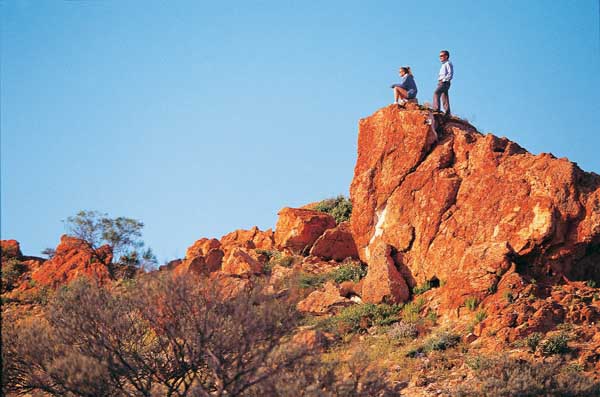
480 316
591 283
533 340
418 290
471 303
410 311
11 270
307 280
340 208
352 271
358 318
555 344
442 341
508 296
402 331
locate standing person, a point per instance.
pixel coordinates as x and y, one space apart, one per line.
444 78
407 89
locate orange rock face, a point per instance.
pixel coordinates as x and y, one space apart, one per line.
251 239
336 244
73 259
460 207
383 283
239 262
298 229
10 249
327 300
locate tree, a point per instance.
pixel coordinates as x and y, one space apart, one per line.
122 234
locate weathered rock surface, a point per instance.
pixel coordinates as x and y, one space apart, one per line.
336 243
324 301
239 262
383 283
74 258
297 229
10 249
460 207
251 239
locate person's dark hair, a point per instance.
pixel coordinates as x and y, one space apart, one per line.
406 70
445 52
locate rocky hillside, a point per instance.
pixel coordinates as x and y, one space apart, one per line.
452 233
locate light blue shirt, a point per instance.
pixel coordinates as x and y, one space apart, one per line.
446 72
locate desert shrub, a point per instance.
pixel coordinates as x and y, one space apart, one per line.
167 337
422 288
274 258
471 303
339 207
442 341
403 331
358 318
555 344
480 316
533 340
508 296
352 271
309 280
410 311
11 270
507 377
591 283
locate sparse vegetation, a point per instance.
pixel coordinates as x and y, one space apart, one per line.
533 340
403 330
11 270
471 303
359 318
555 344
508 296
422 288
351 271
411 311
480 316
339 207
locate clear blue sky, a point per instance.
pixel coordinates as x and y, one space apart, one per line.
200 118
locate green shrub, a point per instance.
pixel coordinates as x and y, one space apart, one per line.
308 280
422 288
471 303
358 318
352 271
533 340
410 311
508 296
591 283
555 344
480 316
11 270
340 208
441 341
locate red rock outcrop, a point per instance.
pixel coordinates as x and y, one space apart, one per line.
239 262
336 243
298 229
74 258
325 301
10 249
461 208
251 239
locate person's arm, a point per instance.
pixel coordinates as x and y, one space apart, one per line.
449 71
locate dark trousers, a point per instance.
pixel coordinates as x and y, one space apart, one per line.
442 91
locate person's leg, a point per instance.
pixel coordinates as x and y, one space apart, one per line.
436 96
399 93
446 99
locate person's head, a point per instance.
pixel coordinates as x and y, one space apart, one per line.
444 55
404 70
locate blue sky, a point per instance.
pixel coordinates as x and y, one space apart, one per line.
200 118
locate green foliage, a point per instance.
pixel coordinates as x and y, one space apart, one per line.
410 311
422 288
471 303
122 234
357 318
340 208
441 341
11 270
533 340
591 283
308 280
402 331
480 316
352 271
555 344
508 296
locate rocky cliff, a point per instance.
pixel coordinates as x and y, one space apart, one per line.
456 208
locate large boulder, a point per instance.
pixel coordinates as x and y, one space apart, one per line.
324 301
336 244
203 257
74 258
10 249
297 229
460 208
250 239
239 262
